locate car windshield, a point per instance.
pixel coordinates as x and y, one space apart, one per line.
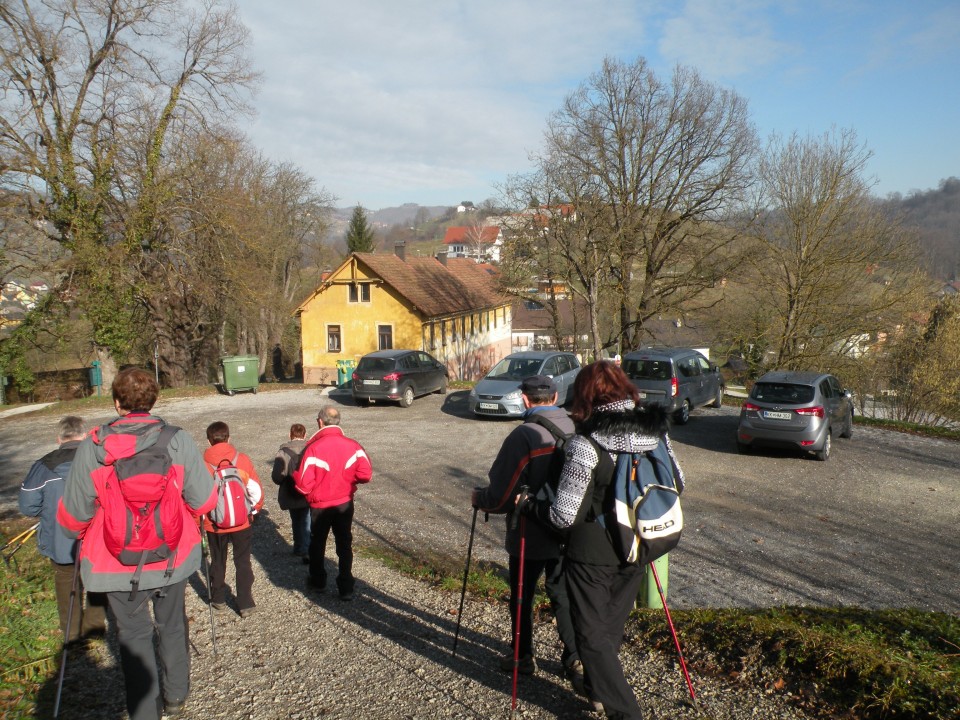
647 369
373 365
514 369
782 393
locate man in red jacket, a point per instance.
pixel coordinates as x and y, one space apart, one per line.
330 470
220 454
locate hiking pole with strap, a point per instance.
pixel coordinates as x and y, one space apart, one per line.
516 632
673 631
19 541
466 570
204 549
66 635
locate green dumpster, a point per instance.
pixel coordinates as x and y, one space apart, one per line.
240 372
345 370
649 595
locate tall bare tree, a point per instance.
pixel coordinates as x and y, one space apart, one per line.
828 270
97 95
669 161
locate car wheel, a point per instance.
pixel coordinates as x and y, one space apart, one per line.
742 448
442 390
406 397
718 400
682 416
848 430
362 402
824 453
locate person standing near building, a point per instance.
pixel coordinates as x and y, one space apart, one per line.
222 454
526 459
330 470
40 495
284 464
146 643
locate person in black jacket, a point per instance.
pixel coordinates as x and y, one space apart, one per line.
40 494
525 459
602 588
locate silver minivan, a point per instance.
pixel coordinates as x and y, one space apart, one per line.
678 379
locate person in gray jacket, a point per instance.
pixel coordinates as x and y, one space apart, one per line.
526 459
40 494
288 497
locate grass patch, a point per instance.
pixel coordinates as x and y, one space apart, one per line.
890 664
879 665
29 624
936 431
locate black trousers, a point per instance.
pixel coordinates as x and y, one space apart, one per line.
602 598
555 585
340 520
242 541
138 657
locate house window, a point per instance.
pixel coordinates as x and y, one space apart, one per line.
385 337
333 338
443 332
433 336
359 292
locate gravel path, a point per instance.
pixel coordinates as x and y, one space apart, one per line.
387 654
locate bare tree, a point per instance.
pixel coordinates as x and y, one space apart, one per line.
828 269
98 94
668 161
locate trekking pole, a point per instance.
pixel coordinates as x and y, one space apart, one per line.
19 541
673 631
66 635
204 549
516 632
466 570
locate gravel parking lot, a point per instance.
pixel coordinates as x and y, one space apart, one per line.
875 526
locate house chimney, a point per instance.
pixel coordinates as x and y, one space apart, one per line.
400 248
442 257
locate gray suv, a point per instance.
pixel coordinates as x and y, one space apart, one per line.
679 379
796 410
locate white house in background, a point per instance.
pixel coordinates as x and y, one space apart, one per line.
482 244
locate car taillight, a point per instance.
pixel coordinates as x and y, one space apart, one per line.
674 387
392 376
812 412
751 406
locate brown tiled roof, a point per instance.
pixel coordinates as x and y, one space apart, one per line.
488 234
434 289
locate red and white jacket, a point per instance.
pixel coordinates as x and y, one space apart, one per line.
331 468
80 515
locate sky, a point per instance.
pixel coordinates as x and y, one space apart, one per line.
434 102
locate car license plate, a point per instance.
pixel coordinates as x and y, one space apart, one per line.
776 415
371 382
489 406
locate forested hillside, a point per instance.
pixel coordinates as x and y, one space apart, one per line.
935 215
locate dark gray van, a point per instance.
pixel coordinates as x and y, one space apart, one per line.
679 379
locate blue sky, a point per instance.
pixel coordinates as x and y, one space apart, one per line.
438 101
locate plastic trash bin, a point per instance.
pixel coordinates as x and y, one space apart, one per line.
649 595
345 370
96 376
240 372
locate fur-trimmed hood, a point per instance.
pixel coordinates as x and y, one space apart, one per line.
622 427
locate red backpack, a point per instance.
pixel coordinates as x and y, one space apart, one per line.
141 501
234 505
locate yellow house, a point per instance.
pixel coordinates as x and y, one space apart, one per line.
451 308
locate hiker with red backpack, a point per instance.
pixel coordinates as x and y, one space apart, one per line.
135 490
240 497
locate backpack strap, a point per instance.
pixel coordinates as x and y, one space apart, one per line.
550 425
